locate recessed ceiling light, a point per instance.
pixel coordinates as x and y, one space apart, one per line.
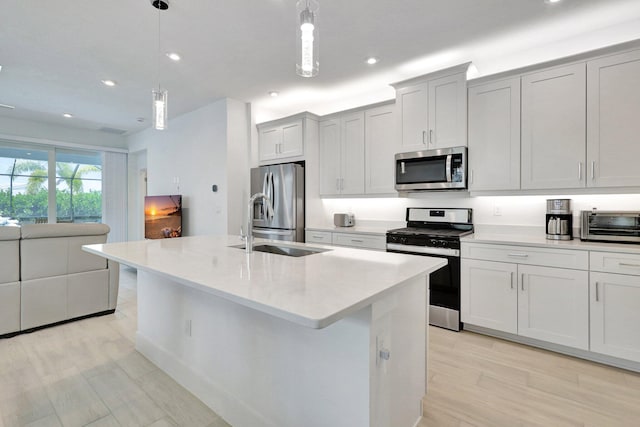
0 67
67 115
372 60
273 94
173 56
109 83
11 107
551 1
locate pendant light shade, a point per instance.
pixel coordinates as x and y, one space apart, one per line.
160 108
159 95
307 63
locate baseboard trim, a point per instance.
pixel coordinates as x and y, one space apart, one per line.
62 322
569 351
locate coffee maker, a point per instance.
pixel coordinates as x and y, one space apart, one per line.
559 219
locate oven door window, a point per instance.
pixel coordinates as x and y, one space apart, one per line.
426 170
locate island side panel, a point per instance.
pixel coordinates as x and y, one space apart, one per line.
252 368
399 326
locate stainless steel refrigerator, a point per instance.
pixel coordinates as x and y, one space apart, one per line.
284 185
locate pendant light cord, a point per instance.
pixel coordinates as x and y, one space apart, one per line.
158 57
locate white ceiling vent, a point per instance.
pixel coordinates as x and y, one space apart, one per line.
112 130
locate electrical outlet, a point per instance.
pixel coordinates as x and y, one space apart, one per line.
497 210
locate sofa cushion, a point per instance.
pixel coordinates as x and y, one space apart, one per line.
9 260
9 233
36 231
43 301
9 307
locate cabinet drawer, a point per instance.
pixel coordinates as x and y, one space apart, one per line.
360 241
578 260
610 262
318 237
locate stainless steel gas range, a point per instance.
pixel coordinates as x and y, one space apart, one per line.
436 232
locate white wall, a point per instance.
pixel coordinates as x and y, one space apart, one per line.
199 149
514 210
29 131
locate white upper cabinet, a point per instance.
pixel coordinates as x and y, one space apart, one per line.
380 148
432 110
330 156
554 128
447 111
494 135
342 155
613 118
352 176
284 139
412 102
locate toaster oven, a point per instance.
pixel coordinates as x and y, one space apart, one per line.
610 226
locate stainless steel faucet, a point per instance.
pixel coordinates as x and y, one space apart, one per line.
249 233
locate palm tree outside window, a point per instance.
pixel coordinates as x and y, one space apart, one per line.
24 185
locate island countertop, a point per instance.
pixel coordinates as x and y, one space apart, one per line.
313 291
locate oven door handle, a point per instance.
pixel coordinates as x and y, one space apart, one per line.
426 250
449 161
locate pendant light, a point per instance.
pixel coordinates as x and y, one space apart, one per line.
307 38
159 95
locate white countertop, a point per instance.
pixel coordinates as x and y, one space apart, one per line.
314 291
540 240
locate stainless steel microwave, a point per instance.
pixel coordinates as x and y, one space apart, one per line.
443 169
610 226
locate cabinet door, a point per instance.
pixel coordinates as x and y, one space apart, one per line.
330 157
412 106
494 136
553 305
352 167
380 148
489 297
269 140
615 318
554 128
447 110
292 140
613 112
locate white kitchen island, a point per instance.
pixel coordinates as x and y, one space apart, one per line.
337 338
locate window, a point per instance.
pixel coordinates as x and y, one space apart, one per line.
78 186
23 185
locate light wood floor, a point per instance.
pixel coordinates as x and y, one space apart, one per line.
87 373
475 380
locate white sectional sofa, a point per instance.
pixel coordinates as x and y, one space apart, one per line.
47 278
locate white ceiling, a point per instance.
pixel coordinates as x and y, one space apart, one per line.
55 53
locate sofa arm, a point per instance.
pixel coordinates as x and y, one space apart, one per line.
114 283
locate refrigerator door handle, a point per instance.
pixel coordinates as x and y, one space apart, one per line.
272 195
263 208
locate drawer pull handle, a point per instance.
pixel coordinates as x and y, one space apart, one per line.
519 255
626 264
315 236
357 241
597 296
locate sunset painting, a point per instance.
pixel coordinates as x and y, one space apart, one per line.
162 217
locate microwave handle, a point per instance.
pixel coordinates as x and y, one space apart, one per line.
448 171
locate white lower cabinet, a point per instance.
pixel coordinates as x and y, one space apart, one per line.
614 302
553 305
352 240
545 303
489 295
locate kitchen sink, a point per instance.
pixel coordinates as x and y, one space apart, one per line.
284 250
